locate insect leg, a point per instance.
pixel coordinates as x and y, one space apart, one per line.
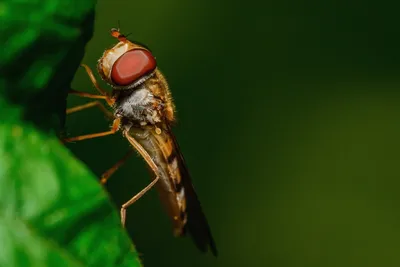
93 79
114 129
108 99
153 167
89 105
135 198
106 175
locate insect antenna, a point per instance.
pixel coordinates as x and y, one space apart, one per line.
117 34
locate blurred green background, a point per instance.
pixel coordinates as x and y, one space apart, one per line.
289 121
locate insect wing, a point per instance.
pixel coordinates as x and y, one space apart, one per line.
196 225
175 187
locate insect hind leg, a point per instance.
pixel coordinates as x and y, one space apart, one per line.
134 199
151 164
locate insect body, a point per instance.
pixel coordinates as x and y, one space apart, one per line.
144 112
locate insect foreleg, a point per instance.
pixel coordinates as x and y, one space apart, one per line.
93 79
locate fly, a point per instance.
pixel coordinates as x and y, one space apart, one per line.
144 112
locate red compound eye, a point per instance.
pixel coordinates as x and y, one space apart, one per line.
131 66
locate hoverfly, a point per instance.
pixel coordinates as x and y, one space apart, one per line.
144 112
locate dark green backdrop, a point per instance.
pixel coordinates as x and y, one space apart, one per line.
288 118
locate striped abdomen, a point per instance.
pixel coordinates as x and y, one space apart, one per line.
175 187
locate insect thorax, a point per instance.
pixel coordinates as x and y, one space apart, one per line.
137 106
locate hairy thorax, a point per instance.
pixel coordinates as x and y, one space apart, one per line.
147 104
138 106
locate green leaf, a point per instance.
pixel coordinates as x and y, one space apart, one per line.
53 211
